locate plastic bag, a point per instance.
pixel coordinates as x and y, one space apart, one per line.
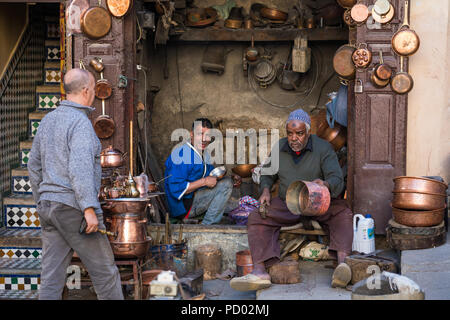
314 251
337 108
74 12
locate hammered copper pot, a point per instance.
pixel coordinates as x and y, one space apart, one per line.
418 200
128 227
419 184
412 218
131 250
126 205
111 158
307 198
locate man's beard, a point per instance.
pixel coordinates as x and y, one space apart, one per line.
299 146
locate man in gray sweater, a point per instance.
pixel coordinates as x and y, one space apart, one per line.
65 173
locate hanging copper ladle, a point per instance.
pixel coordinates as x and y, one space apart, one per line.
104 125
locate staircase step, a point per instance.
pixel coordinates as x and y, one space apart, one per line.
25 148
20 212
52 49
20 182
52 73
52 30
20 238
47 97
34 120
20 274
19 294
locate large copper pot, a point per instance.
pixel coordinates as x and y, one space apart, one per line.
413 218
128 227
124 205
418 200
131 250
337 136
419 184
307 198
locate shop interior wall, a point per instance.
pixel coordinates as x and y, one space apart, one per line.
428 136
13 18
227 100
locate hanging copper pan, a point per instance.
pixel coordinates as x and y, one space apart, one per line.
405 41
104 125
103 89
96 22
382 71
342 62
360 12
383 18
347 17
377 82
362 57
119 8
402 82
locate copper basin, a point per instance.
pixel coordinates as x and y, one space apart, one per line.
307 198
418 201
131 250
413 218
419 184
126 205
128 227
244 170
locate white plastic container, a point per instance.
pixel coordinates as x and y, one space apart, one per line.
363 233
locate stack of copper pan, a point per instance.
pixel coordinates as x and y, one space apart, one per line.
418 201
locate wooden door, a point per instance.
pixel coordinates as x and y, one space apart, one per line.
118 51
377 128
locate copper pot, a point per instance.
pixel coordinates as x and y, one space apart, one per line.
233 24
127 205
128 227
343 63
419 184
418 218
337 136
244 263
273 14
111 158
131 250
382 71
418 200
244 170
307 198
377 82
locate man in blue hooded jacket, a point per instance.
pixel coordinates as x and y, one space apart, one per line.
190 191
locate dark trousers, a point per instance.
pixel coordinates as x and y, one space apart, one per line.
263 233
60 237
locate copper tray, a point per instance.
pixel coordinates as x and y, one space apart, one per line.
119 8
96 22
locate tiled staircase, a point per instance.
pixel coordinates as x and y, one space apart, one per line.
20 242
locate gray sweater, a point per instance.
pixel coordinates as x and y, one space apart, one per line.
64 163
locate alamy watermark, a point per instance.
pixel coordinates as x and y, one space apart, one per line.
236 143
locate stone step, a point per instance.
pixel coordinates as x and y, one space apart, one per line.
20 182
52 49
19 294
20 238
20 274
52 73
20 212
47 97
25 148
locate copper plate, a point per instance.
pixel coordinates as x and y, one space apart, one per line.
383 18
96 22
119 8
360 13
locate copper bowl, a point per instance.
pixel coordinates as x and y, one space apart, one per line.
273 14
412 218
219 172
419 184
131 250
307 198
418 200
244 170
126 205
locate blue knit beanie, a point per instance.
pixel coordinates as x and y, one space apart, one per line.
301 115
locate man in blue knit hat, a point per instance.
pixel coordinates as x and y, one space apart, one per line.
302 156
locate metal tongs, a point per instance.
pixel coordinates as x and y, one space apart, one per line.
83 227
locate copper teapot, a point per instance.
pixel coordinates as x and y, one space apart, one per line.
111 158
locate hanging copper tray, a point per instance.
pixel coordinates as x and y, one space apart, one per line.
96 22
119 8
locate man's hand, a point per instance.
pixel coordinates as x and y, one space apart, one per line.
237 181
210 182
265 197
91 220
322 183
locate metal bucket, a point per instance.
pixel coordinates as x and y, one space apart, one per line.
170 257
244 263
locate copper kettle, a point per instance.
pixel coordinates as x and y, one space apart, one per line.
111 158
